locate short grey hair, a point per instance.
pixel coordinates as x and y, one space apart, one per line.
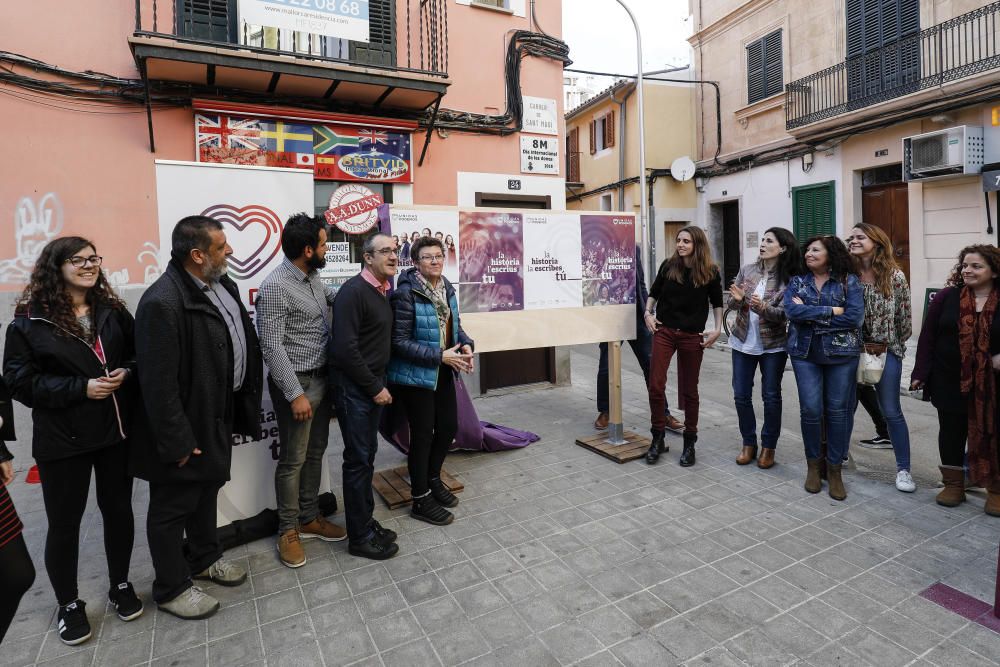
368 248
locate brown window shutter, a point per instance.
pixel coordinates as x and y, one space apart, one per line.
609 129
573 156
593 137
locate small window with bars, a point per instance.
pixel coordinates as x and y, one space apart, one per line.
765 74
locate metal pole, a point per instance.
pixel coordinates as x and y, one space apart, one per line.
647 242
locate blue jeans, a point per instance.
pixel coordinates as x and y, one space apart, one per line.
358 416
826 395
772 368
888 399
642 346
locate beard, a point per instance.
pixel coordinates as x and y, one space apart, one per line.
317 261
213 272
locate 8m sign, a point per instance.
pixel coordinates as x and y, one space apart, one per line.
539 155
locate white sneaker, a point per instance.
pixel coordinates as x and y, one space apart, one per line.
904 482
191 604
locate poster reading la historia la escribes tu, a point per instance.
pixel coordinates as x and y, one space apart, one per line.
553 271
608 255
491 261
407 225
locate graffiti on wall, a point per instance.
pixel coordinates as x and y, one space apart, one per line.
35 224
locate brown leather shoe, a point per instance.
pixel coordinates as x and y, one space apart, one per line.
747 454
674 424
601 422
290 549
992 500
323 529
766 458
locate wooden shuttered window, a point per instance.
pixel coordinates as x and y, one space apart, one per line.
813 210
573 155
602 132
380 49
213 20
593 137
765 70
883 52
609 129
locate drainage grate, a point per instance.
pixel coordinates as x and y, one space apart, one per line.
888 475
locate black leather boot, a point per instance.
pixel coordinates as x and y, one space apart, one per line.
687 456
656 447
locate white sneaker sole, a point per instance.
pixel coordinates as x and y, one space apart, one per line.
132 617
286 563
74 642
312 536
195 617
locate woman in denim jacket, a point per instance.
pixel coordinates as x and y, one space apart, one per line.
758 339
825 308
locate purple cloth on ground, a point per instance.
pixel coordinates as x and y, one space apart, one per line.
473 435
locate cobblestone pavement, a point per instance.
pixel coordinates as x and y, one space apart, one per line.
559 557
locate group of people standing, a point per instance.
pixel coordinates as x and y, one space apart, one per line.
823 304
162 396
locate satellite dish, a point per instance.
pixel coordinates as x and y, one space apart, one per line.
682 169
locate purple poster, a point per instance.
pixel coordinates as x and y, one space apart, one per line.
491 257
608 254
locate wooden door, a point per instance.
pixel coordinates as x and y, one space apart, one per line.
888 208
731 255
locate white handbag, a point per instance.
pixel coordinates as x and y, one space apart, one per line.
871 364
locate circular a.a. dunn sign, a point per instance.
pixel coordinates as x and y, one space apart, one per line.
353 209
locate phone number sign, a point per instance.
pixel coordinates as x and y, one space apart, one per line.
343 19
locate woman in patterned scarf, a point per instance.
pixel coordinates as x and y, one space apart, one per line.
958 357
428 348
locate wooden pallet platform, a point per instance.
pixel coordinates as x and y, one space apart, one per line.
634 448
393 486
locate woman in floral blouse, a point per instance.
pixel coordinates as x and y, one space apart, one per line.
886 328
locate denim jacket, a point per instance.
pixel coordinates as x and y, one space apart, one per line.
813 319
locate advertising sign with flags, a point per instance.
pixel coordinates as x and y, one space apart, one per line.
332 152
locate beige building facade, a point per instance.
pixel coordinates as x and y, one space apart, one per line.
815 101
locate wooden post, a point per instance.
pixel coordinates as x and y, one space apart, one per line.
615 428
996 596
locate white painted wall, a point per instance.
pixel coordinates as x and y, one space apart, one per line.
469 183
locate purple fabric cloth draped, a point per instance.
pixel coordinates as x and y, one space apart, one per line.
473 435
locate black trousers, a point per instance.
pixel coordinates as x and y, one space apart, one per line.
953 431
65 487
176 510
17 574
433 417
868 397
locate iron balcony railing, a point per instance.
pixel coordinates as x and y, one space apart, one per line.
960 47
404 35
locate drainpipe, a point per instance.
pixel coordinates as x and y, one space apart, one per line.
621 145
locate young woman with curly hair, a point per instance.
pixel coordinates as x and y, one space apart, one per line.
676 311
70 357
886 329
958 356
825 307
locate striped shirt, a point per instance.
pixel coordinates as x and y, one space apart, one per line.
10 524
293 323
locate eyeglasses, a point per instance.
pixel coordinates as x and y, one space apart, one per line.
77 261
386 252
433 259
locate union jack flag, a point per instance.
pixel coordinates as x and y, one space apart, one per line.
228 132
373 137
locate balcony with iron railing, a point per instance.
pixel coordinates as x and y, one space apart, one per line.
957 49
402 65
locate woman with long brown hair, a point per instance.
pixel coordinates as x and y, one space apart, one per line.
676 313
69 354
886 328
958 357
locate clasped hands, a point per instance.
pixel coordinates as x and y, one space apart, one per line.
102 387
458 357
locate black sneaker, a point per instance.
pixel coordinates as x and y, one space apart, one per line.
878 442
427 509
373 548
125 601
74 628
442 493
382 534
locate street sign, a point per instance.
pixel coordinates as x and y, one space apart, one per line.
991 181
539 155
539 115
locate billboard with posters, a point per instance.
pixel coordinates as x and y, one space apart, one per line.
252 204
490 275
608 255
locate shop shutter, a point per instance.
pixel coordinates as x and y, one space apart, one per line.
609 129
813 210
381 46
573 155
213 20
593 137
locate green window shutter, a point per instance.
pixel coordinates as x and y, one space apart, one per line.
813 210
213 20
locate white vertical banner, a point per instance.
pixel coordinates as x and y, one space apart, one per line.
252 204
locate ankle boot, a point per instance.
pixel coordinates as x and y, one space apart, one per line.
425 508
766 458
747 454
814 484
953 493
687 456
836 483
656 447
993 499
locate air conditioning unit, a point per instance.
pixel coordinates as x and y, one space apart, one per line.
955 151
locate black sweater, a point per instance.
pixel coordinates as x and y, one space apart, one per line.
362 334
682 305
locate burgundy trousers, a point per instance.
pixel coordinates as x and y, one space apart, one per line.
689 354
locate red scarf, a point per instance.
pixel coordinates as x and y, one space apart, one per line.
978 382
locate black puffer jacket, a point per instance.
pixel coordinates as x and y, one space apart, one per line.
47 369
186 379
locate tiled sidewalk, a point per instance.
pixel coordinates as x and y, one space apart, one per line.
559 556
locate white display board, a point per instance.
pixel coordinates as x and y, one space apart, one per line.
343 19
252 204
539 155
539 115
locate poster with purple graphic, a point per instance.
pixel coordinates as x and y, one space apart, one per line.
608 255
491 259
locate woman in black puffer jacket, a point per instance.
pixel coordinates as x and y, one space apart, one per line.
70 357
